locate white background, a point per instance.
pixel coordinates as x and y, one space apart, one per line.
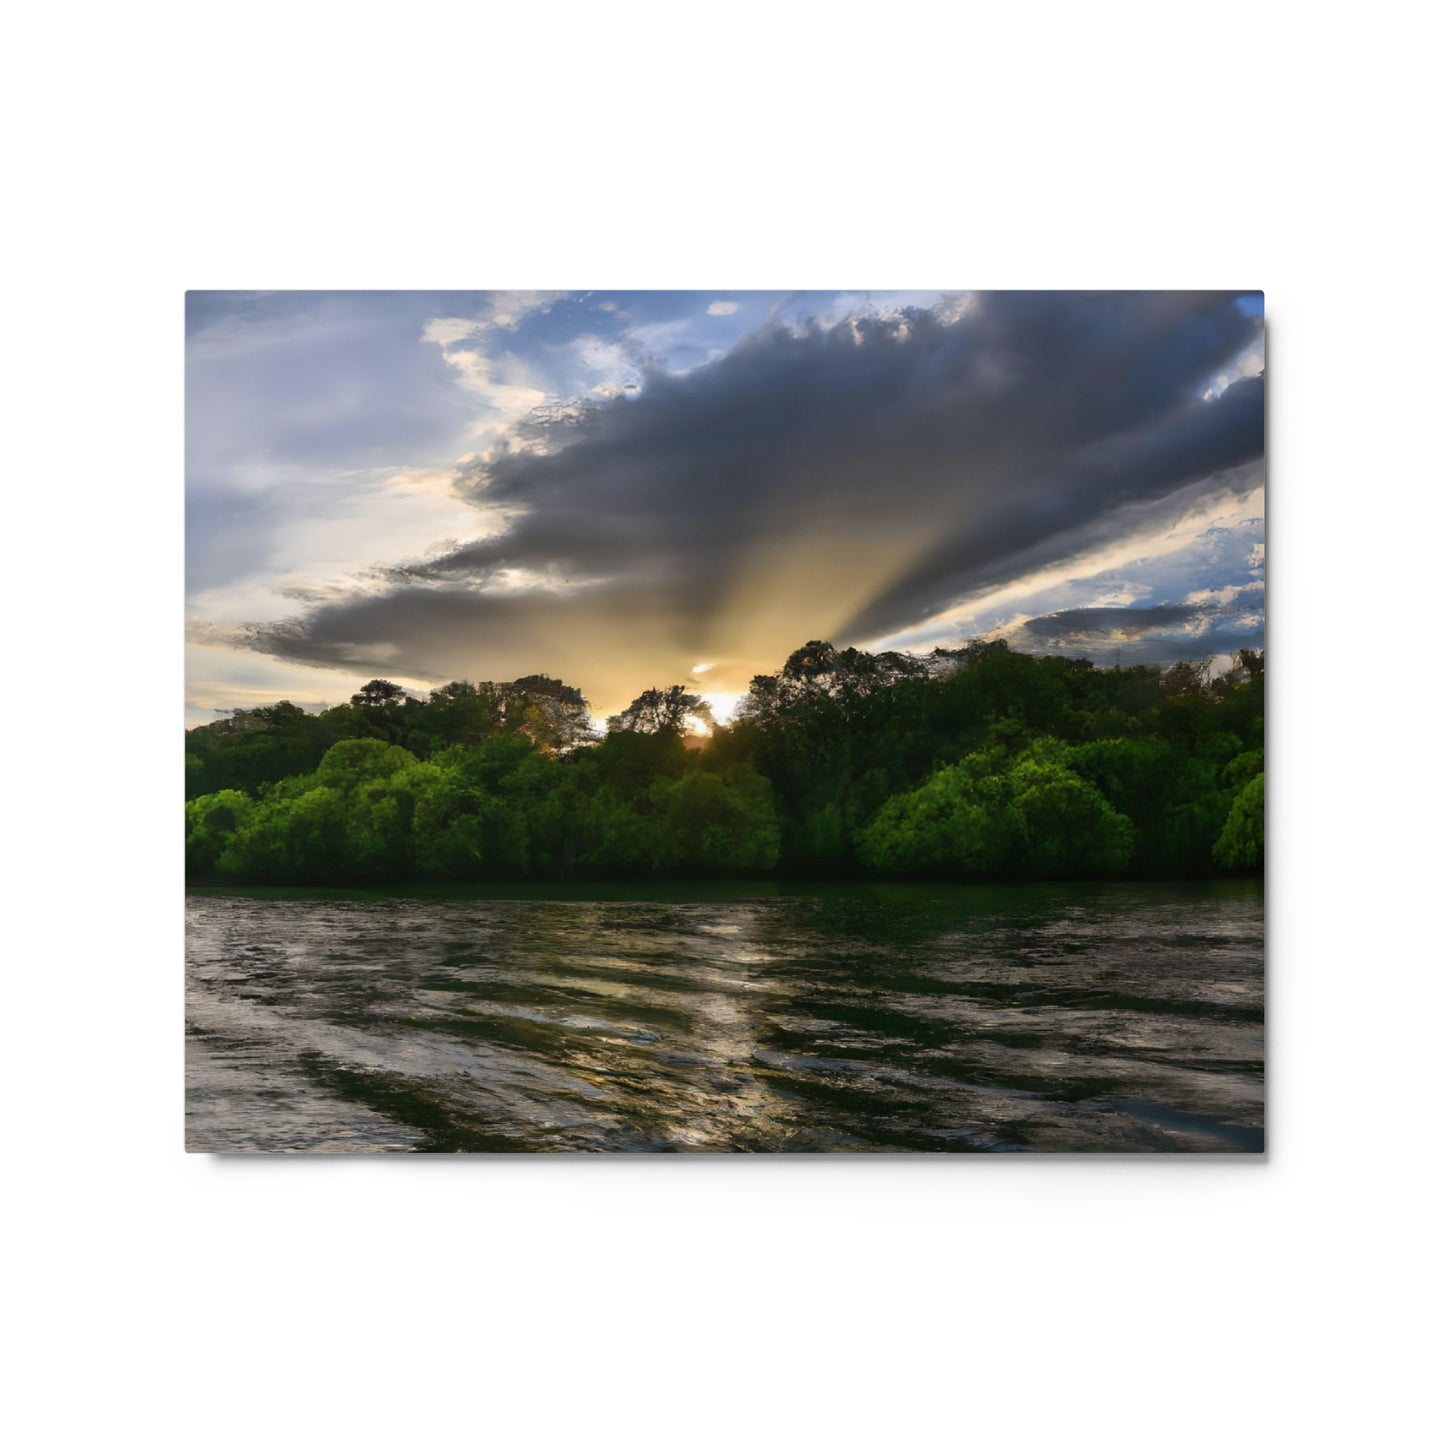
154 1296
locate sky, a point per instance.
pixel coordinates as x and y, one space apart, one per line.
632 489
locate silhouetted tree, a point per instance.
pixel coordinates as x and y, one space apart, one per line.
378 693
661 710
817 671
546 710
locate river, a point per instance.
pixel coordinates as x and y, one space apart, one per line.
1078 1017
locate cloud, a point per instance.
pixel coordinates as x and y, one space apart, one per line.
722 308
845 480
1112 622
295 403
508 388
1128 635
1203 535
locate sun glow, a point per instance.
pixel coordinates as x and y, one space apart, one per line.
723 704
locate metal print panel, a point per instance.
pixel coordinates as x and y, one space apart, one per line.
722 721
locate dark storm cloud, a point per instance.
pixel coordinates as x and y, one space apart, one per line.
455 633
1063 505
1098 622
1162 633
862 477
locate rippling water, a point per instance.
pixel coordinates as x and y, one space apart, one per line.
917 1017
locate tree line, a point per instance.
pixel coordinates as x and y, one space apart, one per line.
972 763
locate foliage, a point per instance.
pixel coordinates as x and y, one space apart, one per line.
1241 842
378 693
547 711
990 816
210 822
972 762
661 710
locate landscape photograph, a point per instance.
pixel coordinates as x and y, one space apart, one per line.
766 642
725 722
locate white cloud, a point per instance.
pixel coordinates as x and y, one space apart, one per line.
722 308
608 366
508 386
1222 596
448 330
509 307
1249 362
503 309
955 305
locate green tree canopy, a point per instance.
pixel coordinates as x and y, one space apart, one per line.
1241 841
975 761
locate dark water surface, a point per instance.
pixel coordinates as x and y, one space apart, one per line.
919 1017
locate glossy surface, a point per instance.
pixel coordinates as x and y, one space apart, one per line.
915 1017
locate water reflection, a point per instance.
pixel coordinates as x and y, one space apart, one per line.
915 1018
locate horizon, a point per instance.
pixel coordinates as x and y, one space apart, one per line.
633 489
1218 664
